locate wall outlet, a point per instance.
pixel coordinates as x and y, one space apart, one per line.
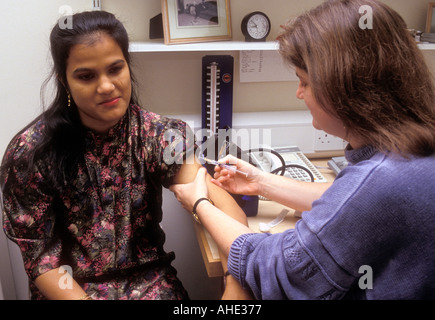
327 142
96 5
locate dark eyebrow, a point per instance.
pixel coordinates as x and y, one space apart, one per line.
299 75
302 78
79 70
117 62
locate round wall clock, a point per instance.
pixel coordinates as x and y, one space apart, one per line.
256 26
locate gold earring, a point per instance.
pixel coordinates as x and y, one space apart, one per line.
69 100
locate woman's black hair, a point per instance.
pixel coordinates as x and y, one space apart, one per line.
63 140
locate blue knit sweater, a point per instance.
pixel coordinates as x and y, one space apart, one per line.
370 236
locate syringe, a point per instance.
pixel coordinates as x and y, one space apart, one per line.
226 166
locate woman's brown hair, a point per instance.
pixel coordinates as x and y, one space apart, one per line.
374 79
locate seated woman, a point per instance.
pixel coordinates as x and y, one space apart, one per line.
82 184
372 88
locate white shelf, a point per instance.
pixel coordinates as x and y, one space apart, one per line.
159 46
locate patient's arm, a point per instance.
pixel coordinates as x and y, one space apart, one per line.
225 202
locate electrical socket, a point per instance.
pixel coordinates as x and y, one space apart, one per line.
327 142
96 5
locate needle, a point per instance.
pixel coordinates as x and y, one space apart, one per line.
226 166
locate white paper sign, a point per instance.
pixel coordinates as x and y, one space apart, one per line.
264 66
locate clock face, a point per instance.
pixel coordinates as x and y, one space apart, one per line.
258 26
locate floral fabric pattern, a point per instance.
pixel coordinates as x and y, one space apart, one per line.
105 224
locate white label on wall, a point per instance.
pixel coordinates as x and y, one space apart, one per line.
264 66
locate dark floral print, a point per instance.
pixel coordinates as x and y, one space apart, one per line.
105 223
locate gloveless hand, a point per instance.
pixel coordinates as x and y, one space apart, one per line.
188 193
236 183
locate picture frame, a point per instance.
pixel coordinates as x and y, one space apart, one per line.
430 22
188 21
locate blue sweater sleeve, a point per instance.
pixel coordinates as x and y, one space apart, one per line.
379 213
278 267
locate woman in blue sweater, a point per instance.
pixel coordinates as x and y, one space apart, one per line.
371 233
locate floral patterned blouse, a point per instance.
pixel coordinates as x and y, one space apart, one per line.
105 225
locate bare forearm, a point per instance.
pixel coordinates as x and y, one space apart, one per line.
54 286
226 206
223 229
226 203
291 193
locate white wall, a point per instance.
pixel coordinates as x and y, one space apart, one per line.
182 72
24 56
24 64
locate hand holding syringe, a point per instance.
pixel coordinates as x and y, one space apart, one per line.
226 166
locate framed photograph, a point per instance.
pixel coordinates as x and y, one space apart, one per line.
430 23
187 21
